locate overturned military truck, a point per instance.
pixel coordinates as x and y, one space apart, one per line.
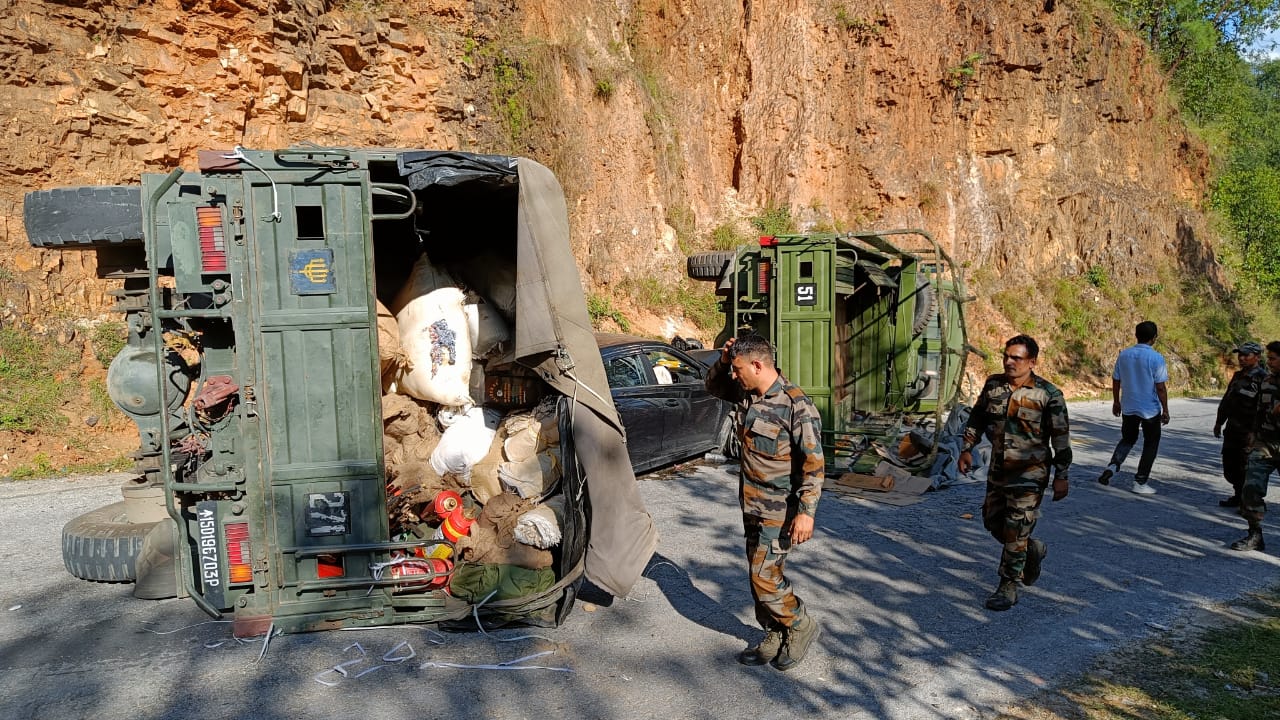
869 324
366 391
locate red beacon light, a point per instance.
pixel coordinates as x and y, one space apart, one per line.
768 241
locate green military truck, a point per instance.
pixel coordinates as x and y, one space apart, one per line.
251 291
869 324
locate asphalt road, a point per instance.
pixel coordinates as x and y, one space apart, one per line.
899 592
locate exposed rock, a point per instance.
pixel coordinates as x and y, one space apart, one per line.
1026 141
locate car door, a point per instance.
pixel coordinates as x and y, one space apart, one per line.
640 404
692 416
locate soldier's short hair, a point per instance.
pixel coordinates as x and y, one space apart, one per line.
1146 331
753 347
1274 346
1026 341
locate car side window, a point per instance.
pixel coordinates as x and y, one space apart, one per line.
625 372
670 369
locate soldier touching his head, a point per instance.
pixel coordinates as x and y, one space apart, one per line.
1235 413
1025 418
779 486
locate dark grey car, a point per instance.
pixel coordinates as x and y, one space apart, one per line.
661 395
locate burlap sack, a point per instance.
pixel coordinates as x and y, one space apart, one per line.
533 477
492 537
529 433
409 431
484 475
392 356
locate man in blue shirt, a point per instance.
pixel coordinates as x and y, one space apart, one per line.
1139 399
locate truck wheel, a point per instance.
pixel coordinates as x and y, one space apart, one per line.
709 265
926 308
102 545
84 217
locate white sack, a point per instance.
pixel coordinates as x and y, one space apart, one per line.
465 442
434 334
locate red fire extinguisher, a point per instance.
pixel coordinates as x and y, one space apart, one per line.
454 524
421 574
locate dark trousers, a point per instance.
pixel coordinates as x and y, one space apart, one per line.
1129 426
1235 459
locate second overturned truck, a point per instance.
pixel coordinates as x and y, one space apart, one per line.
869 324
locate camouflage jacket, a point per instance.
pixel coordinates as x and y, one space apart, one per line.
1028 429
1266 426
781 440
1240 403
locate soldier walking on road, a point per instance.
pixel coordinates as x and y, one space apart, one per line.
1025 418
1139 399
1264 453
779 487
1235 418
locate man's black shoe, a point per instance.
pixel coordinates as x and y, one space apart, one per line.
1233 501
1252 541
1036 550
1105 477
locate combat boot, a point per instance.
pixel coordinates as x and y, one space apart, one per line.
796 645
1036 550
1252 541
1005 596
766 650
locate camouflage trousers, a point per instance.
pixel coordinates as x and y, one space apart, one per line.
1009 513
776 606
1253 504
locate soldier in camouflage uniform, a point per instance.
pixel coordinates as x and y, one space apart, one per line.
1264 453
779 487
1025 417
1235 412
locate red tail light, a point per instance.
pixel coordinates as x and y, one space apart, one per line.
239 552
762 280
213 244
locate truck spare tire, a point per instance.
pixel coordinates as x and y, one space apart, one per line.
84 217
102 545
709 265
926 308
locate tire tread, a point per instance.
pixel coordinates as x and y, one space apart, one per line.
84 217
709 265
102 546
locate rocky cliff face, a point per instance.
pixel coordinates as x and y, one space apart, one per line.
1030 138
